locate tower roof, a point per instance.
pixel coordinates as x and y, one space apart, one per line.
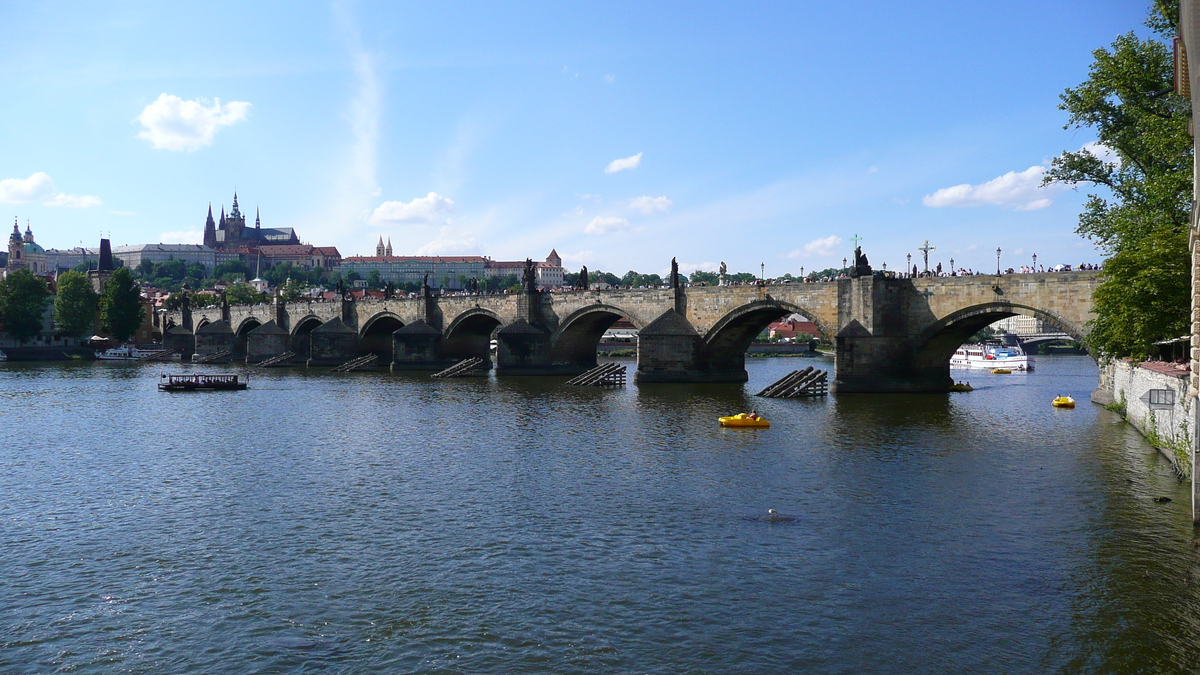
16 235
257 222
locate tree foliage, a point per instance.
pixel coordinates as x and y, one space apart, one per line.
244 294
23 299
121 306
1140 215
75 305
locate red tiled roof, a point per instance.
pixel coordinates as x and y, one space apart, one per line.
325 250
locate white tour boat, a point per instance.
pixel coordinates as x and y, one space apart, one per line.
991 357
127 353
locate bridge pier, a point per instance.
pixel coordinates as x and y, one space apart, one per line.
523 348
670 350
214 338
418 346
181 340
332 344
265 342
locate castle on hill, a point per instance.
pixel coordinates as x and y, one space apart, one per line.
231 233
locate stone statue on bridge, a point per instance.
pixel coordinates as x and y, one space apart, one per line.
583 278
529 278
674 273
861 268
721 274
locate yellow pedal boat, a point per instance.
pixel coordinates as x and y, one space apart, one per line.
961 386
1001 371
746 421
1063 402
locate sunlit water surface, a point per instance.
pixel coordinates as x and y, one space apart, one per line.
389 523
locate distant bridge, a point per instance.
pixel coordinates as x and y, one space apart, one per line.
890 334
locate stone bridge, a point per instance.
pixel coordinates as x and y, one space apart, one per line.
891 335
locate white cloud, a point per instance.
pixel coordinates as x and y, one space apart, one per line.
622 164
40 187
432 207
610 78
450 243
650 205
182 237
1020 190
175 124
688 268
606 225
818 247
1102 151
25 190
581 258
873 169
73 201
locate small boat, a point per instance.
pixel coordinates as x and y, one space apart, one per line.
987 356
127 353
1063 402
1002 371
745 421
201 382
961 386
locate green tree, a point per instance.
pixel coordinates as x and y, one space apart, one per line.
23 299
701 277
373 280
121 306
244 294
75 305
1139 217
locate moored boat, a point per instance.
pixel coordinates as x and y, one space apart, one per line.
992 356
202 382
1063 402
128 353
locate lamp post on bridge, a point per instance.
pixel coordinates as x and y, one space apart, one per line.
997 261
1035 262
843 266
952 272
908 268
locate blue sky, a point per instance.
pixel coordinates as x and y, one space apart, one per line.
621 134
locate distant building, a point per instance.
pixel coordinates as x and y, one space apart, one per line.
24 253
444 271
792 328
300 255
231 231
550 273
132 256
1019 325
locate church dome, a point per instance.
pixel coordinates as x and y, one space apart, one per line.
31 247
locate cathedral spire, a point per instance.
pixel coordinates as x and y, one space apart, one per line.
257 222
379 247
388 251
222 216
235 213
210 229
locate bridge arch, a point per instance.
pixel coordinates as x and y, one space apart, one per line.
300 332
470 335
934 346
728 339
376 334
579 334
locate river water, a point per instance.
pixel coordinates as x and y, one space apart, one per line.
388 523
